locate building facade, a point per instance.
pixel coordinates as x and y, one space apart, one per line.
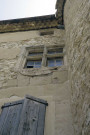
48 57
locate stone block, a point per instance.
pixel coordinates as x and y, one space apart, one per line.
40 80
12 83
23 80
60 76
9 53
63 119
38 90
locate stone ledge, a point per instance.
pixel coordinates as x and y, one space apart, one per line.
39 90
26 24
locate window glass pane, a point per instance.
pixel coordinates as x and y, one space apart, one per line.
55 62
51 63
51 52
59 62
35 53
33 64
59 50
30 64
37 64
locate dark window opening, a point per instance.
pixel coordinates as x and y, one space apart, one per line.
33 64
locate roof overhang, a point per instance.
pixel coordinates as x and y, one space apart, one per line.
35 23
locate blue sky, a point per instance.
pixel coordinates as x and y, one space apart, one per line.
11 9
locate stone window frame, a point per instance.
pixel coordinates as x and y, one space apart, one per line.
44 69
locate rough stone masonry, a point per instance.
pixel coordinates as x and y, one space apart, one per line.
66 88
77 29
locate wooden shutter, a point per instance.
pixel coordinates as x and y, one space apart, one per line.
32 117
26 117
10 118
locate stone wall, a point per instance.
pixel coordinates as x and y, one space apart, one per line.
65 88
60 10
77 26
53 86
10 48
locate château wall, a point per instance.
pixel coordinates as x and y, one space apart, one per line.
77 27
10 48
66 88
52 86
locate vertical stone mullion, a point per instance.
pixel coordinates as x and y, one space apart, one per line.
44 59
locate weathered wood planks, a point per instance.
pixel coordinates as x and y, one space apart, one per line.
24 117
